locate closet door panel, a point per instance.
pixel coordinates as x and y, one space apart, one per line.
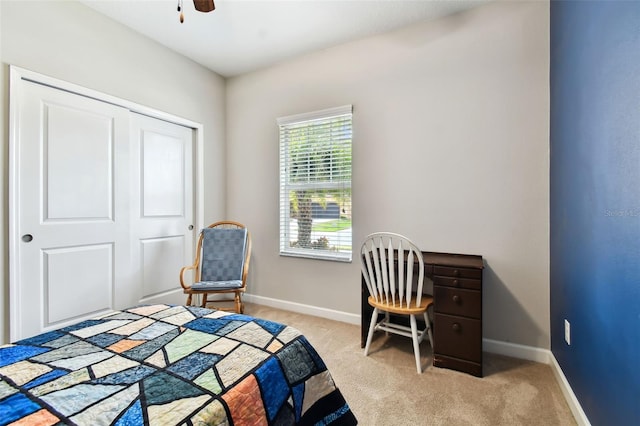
78 163
72 212
163 182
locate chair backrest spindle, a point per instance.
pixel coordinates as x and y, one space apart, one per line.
409 274
384 264
378 277
392 275
367 272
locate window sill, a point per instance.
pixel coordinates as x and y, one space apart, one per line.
346 258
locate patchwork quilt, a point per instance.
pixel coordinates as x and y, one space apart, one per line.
168 365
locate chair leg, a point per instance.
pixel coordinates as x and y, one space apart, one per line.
416 342
372 327
204 300
238 303
189 300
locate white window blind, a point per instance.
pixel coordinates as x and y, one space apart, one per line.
315 184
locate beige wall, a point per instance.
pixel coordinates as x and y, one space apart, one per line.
451 148
458 106
71 42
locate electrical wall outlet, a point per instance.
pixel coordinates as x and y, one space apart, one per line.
567 332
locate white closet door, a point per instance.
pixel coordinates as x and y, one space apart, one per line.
72 212
101 207
162 216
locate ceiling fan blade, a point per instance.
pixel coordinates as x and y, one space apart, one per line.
204 5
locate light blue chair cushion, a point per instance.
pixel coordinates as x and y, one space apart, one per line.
223 254
217 285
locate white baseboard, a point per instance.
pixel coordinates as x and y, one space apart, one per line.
514 350
304 309
574 405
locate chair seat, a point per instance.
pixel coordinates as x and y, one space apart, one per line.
425 302
217 285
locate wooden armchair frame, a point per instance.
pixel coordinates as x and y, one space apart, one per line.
196 266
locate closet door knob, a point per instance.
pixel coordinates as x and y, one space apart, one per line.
190 227
27 238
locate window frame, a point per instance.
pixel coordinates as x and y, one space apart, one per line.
285 185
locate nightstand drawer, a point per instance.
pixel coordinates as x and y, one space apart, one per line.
455 301
458 337
468 283
449 271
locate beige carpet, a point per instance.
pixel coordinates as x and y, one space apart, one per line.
384 388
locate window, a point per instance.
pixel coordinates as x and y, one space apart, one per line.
315 184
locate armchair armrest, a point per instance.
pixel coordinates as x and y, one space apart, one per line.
182 272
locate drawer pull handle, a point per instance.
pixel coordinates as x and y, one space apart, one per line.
456 283
456 272
456 298
456 326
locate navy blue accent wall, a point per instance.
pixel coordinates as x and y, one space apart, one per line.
595 204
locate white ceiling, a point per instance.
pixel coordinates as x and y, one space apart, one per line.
245 35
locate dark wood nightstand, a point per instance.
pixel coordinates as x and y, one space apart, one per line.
457 328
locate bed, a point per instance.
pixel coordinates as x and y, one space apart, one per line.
169 365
